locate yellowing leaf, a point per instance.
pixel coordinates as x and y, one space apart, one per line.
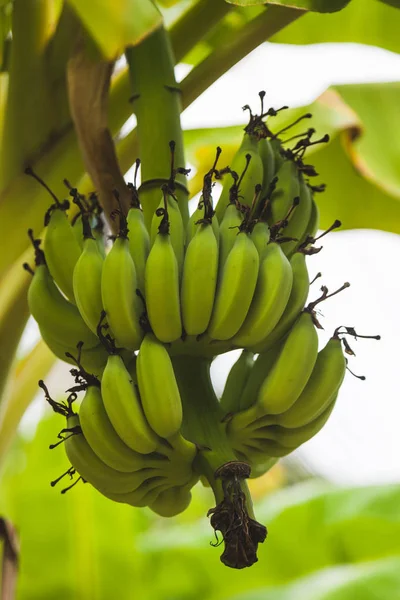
115 25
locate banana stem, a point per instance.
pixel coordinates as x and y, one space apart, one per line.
202 421
260 29
157 105
233 514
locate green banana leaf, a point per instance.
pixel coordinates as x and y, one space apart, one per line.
359 179
114 25
321 6
395 3
362 21
379 580
81 545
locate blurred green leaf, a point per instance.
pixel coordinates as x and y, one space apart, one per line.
379 580
322 6
395 3
363 184
117 24
362 21
81 545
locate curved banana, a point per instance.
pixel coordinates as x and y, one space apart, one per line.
171 502
93 359
104 440
144 495
251 413
277 149
139 243
176 228
124 409
271 296
158 388
286 190
236 289
93 470
268 159
228 232
61 248
292 369
299 220
87 279
55 313
313 223
198 215
323 385
293 438
260 236
297 299
248 163
161 281
236 381
120 300
199 280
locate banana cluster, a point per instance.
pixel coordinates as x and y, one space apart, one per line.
125 440
149 312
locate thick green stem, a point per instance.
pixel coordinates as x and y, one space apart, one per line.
202 420
269 22
157 105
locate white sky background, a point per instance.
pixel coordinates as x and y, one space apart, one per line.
361 442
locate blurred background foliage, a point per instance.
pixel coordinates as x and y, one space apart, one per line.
324 543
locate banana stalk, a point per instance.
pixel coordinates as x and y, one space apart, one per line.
216 461
157 105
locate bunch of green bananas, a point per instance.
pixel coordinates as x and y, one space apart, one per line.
149 314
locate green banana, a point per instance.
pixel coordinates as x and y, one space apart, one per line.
228 231
93 359
159 391
247 162
161 280
60 245
93 470
269 167
199 280
277 149
313 223
118 290
53 311
176 229
295 304
144 495
323 385
270 298
236 382
192 225
171 502
61 249
233 299
251 414
299 220
260 236
292 369
87 279
139 243
124 409
286 190
293 438
104 440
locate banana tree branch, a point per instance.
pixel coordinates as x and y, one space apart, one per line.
270 21
88 84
